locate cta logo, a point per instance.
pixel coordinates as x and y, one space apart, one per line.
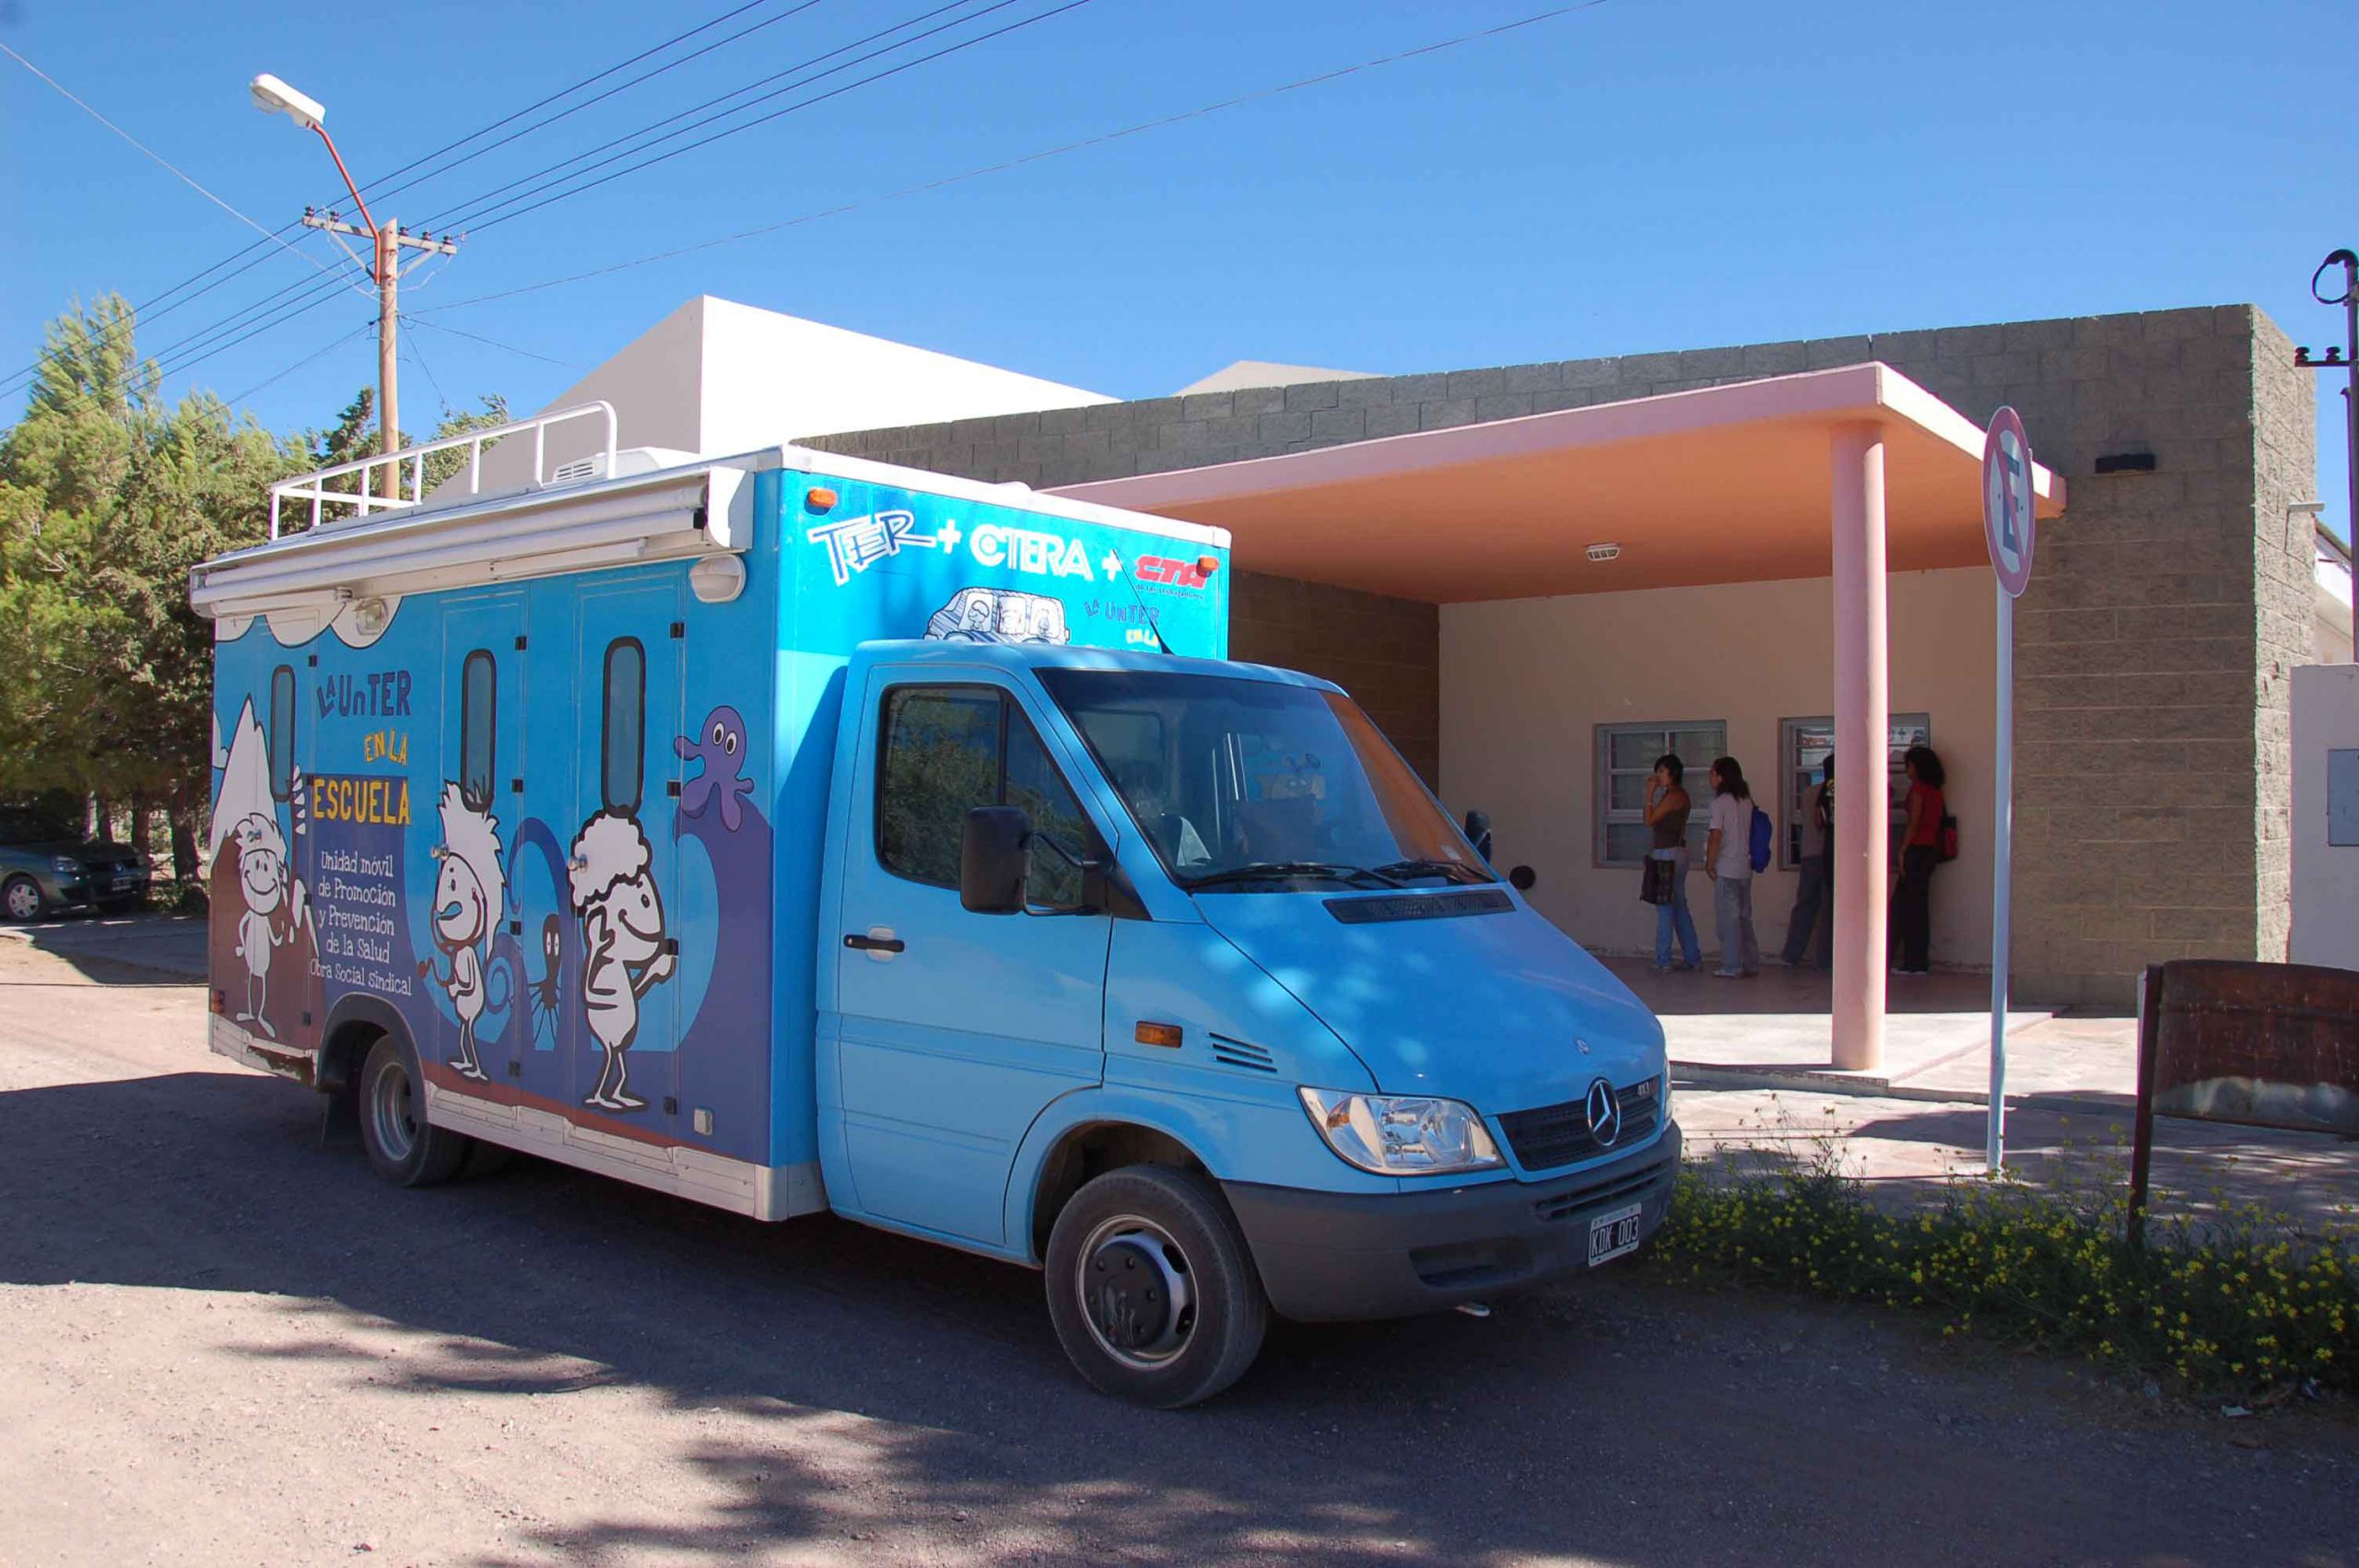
1171 573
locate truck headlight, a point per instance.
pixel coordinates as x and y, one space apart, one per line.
1402 1134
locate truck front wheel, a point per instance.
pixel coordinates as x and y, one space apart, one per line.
1151 1288
402 1146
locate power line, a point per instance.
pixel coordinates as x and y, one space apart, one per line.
601 98
479 219
314 357
543 358
483 199
299 298
170 167
976 173
147 310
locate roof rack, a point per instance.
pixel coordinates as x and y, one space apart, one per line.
396 490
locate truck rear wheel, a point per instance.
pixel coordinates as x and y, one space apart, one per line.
1151 1289
402 1146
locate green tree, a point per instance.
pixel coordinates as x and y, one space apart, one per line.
108 496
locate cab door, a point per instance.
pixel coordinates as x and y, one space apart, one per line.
955 1029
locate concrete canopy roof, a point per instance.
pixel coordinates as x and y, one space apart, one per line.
1731 484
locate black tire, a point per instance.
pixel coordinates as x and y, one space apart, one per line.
20 898
1116 1322
402 1146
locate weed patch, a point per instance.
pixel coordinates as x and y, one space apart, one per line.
2238 1302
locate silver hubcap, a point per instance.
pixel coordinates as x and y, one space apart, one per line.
24 900
390 1116
1136 1291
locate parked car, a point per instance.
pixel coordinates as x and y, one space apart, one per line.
46 865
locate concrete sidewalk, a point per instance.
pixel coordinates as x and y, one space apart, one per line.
1912 1151
1773 1032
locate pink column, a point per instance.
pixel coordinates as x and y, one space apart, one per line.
1862 727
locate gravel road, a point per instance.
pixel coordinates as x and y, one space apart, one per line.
227 1343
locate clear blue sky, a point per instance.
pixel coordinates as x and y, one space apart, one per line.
1644 174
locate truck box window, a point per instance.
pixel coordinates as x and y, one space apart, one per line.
478 718
949 749
622 753
282 732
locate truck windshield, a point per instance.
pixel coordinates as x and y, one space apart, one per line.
1244 785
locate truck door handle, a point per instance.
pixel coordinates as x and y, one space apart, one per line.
861 942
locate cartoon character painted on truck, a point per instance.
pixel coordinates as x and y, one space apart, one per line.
467 909
262 882
613 886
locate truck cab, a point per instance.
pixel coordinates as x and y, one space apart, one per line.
1151 972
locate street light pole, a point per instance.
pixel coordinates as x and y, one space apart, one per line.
386 241
2344 358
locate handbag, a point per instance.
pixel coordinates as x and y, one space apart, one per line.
1945 841
1659 884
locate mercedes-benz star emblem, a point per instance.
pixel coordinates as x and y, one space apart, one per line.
1604 1114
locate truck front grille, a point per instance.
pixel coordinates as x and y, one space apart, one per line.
1559 1135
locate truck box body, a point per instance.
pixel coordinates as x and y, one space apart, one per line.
482 810
789 832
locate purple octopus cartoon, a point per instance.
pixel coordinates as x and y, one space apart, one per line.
722 748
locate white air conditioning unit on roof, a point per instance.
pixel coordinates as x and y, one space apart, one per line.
628 461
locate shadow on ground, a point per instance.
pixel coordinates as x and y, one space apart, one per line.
1596 1423
121 950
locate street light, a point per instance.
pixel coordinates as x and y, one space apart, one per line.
273 97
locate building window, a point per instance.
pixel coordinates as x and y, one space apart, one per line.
1803 745
1626 758
949 749
622 749
478 715
282 733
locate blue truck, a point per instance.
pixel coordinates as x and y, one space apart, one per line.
794 833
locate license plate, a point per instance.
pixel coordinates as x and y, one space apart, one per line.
122 883
1614 1234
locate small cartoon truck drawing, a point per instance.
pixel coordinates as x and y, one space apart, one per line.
999 615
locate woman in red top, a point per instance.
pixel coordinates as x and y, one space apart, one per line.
1919 853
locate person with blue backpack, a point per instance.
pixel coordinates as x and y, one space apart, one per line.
1737 847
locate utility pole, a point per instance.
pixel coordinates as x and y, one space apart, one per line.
385 267
2344 358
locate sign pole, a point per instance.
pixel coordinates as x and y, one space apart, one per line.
2009 525
2003 828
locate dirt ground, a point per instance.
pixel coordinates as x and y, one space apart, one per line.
228 1343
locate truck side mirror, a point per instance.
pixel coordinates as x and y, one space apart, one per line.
994 859
1478 833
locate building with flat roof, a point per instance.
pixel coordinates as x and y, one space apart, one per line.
1426 542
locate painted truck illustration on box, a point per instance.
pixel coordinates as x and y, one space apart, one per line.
788 833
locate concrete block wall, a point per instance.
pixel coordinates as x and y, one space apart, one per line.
2151 715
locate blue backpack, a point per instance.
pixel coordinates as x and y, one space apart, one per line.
1765 835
